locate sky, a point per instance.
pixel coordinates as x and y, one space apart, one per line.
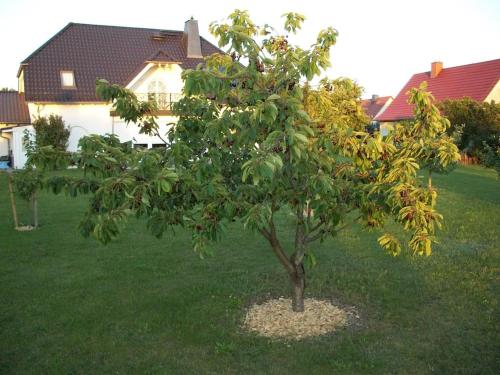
380 45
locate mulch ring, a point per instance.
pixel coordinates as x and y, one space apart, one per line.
276 319
25 228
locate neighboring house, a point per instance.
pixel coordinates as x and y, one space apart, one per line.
60 78
14 116
374 107
479 81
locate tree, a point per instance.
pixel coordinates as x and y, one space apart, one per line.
478 123
491 158
252 141
49 142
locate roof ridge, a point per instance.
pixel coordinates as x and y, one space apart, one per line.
462 66
127 27
70 24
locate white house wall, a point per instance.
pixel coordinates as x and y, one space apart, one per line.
4 145
18 150
82 119
169 74
130 132
86 119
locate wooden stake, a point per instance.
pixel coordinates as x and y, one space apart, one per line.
34 206
12 200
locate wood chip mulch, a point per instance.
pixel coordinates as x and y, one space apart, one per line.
24 228
276 319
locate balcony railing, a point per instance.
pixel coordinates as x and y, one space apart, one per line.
164 100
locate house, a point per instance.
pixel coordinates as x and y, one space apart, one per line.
479 81
374 107
14 117
60 76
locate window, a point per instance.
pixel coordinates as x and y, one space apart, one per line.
157 92
140 145
156 87
67 79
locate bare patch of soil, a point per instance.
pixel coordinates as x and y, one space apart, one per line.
276 319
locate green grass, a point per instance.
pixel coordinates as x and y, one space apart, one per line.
142 305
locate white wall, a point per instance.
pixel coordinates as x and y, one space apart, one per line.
4 144
82 119
18 151
130 132
86 119
169 74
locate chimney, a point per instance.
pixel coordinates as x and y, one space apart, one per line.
436 68
191 39
374 97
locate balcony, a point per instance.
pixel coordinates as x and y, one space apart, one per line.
164 100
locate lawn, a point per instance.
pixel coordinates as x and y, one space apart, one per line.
142 305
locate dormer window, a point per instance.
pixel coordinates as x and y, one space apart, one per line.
67 79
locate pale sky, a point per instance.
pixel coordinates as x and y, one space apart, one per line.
381 43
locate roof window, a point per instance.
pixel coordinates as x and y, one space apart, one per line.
67 79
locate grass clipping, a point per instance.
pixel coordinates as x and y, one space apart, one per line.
276 319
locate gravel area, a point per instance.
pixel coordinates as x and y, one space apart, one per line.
276 319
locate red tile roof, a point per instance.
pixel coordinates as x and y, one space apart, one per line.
373 106
94 51
473 80
13 108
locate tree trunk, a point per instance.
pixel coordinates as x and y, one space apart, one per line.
34 207
294 265
298 285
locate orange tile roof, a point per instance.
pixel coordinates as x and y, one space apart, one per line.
473 80
374 105
13 108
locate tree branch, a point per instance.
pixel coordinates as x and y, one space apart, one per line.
317 226
315 237
320 233
276 246
265 233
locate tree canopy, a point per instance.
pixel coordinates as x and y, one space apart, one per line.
254 138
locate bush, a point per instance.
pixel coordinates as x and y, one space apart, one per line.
51 131
478 123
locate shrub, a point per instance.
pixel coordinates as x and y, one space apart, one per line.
478 123
51 131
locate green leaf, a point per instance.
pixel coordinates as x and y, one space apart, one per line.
273 97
